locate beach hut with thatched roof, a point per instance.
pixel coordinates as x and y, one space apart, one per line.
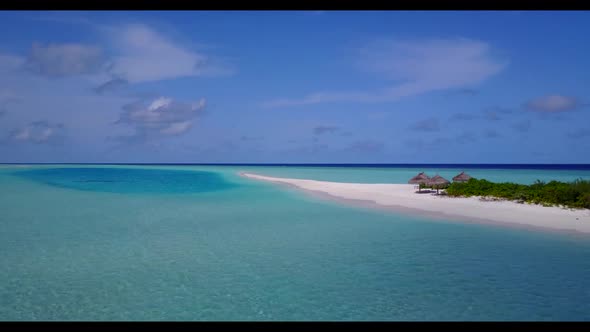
438 181
462 177
419 179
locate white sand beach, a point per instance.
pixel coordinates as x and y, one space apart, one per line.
402 198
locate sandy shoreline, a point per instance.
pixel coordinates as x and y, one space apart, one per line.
402 198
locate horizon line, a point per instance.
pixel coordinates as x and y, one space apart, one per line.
245 163
451 165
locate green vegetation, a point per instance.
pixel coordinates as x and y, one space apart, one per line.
573 194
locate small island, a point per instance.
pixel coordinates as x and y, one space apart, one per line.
554 205
574 194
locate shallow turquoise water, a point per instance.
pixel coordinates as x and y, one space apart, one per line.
236 249
127 180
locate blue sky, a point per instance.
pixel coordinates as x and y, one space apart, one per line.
295 86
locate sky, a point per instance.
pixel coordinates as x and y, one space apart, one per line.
295 87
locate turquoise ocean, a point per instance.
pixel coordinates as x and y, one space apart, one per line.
155 242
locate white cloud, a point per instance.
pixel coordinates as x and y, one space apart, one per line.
130 53
9 62
177 128
61 60
553 104
144 55
111 86
38 132
161 117
418 66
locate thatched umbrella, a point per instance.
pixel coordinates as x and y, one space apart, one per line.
437 181
462 177
421 178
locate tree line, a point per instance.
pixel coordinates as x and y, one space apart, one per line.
574 194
